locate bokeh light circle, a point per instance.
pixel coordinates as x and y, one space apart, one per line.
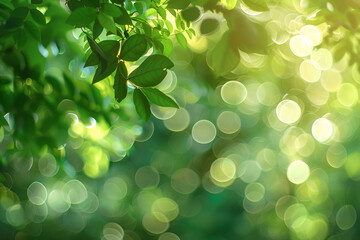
347 95
233 92
298 172
185 181
203 131
322 130
301 45
179 121
288 111
346 217
223 170
254 192
313 33
37 193
228 122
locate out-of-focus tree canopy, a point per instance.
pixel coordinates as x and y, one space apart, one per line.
169 119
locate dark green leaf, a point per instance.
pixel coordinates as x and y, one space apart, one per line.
208 25
178 4
97 29
36 1
74 4
120 82
151 72
17 17
7 4
92 60
190 14
112 10
20 12
142 105
159 98
224 58
32 29
133 48
107 22
20 37
124 19
13 23
38 16
96 48
91 3
139 7
108 49
104 70
82 17
181 40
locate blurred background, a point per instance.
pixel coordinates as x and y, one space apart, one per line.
265 144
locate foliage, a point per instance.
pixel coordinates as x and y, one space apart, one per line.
278 77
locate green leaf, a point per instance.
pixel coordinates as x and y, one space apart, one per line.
151 72
20 37
133 48
159 98
208 25
190 32
36 1
169 25
37 16
124 19
190 14
224 58
168 46
256 5
32 29
97 29
107 49
142 105
178 4
139 7
179 22
92 60
120 82
96 48
82 17
107 22
74 4
162 13
181 40
104 70
7 4
91 3
17 17
20 12
112 10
